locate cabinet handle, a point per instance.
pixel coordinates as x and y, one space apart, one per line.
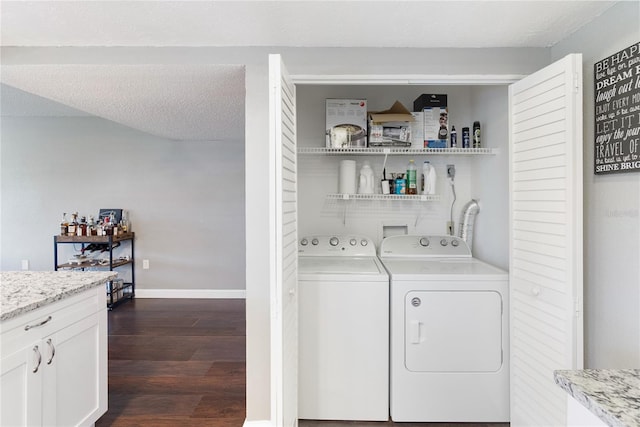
53 351
37 351
26 328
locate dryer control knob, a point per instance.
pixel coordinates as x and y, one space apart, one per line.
315 242
353 242
334 241
444 242
364 242
454 243
424 241
304 242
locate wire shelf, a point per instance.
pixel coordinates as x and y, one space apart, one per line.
396 151
419 197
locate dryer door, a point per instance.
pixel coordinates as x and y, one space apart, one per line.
453 331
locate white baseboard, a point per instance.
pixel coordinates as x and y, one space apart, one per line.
261 423
191 293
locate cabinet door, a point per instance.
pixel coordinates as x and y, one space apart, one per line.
75 375
20 387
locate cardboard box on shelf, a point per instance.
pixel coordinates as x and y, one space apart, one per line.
436 119
391 127
346 123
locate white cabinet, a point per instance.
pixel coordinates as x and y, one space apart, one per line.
20 388
54 364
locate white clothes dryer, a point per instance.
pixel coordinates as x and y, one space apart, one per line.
449 332
343 371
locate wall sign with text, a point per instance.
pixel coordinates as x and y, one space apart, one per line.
617 112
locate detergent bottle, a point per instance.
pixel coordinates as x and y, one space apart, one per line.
367 181
428 178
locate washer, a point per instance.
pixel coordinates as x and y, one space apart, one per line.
449 332
343 330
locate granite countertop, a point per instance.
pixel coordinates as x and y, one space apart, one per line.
613 395
24 291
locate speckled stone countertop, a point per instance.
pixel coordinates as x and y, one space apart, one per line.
24 291
613 395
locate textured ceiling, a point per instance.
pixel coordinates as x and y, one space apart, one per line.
207 102
203 102
295 23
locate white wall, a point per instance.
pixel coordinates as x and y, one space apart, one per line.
185 199
611 211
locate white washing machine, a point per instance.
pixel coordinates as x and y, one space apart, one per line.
343 338
449 332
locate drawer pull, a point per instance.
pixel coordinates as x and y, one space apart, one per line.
26 328
53 351
37 351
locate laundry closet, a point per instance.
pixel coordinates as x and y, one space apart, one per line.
528 184
479 174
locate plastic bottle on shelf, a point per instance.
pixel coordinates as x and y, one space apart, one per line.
454 137
428 178
412 184
367 182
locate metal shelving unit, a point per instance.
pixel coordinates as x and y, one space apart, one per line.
127 290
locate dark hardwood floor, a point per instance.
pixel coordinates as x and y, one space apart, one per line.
181 363
176 362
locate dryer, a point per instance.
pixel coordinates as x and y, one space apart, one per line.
343 371
449 333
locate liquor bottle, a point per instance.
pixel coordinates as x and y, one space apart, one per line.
64 225
108 228
82 227
91 227
72 229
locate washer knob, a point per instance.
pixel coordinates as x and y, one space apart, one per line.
424 241
315 242
304 242
334 241
455 243
444 242
364 242
353 242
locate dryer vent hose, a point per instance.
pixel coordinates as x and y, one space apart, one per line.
467 220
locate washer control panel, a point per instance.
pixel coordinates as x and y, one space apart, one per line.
424 246
336 245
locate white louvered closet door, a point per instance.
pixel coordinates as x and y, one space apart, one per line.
284 278
545 153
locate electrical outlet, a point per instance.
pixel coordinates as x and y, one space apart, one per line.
25 264
145 264
451 171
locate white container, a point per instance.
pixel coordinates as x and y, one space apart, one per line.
367 180
429 178
347 180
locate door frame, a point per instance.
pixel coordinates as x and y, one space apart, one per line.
375 79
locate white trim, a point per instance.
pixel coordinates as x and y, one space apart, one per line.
406 79
191 293
259 423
